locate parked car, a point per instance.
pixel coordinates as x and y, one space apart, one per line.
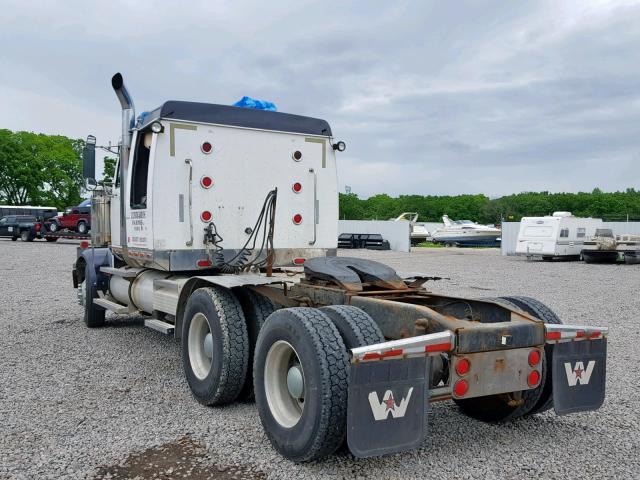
77 219
26 227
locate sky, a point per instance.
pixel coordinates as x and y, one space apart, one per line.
431 98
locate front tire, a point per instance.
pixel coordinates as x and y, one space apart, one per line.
93 314
82 227
54 227
300 382
215 346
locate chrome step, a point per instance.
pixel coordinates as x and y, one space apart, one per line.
111 306
159 326
121 272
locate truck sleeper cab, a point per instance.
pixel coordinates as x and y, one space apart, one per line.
345 348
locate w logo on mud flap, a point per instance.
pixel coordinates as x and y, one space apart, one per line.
578 374
388 405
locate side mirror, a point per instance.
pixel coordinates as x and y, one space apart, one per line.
89 158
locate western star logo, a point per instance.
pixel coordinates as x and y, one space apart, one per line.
578 374
381 409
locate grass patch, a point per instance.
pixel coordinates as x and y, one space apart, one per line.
430 245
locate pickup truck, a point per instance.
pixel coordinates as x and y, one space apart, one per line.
76 219
26 227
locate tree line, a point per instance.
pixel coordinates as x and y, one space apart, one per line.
611 206
38 169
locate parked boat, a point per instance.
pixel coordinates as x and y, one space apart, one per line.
419 232
465 233
600 248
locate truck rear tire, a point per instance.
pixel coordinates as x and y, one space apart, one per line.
505 406
300 382
356 327
13 239
93 314
215 345
256 309
25 236
544 313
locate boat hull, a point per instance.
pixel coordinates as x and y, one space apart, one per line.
485 240
600 256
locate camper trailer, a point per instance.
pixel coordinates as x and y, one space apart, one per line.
560 235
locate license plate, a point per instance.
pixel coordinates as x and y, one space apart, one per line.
387 406
10 229
579 375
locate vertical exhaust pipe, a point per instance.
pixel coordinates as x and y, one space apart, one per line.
128 119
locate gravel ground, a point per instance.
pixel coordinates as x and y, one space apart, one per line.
113 403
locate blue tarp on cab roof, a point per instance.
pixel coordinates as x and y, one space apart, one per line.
248 102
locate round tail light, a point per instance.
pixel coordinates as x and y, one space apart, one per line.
206 182
297 219
534 378
297 187
460 388
206 147
206 216
534 357
463 366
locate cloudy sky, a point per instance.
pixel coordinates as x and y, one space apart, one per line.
430 97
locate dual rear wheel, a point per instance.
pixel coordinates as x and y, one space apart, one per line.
298 357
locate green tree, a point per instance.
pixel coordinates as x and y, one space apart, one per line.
109 169
40 169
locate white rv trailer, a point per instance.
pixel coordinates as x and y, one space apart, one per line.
560 235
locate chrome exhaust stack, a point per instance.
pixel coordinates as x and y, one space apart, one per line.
128 121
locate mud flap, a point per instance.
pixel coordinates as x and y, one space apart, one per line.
579 375
387 406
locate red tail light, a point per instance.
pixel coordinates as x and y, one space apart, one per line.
297 219
463 366
534 378
84 244
206 216
204 263
297 187
206 147
298 261
37 227
206 182
534 357
460 388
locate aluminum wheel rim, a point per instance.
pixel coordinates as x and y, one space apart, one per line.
285 408
200 357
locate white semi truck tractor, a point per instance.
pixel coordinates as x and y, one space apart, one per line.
221 229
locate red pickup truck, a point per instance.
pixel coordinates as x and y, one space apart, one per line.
77 219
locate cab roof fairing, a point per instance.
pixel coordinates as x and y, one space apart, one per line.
235 117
